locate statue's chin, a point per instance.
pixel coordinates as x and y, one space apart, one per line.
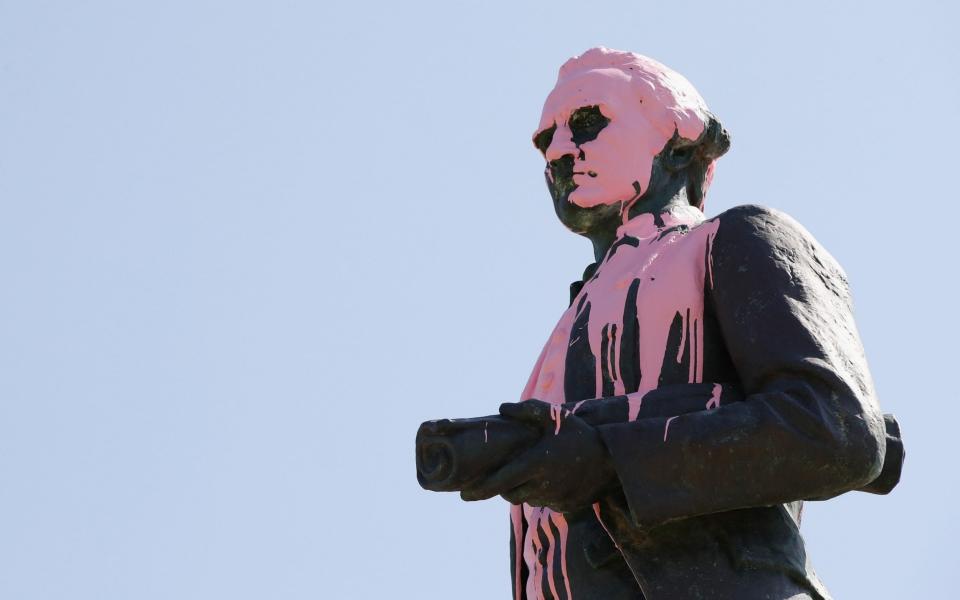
595 196
584 199
587 220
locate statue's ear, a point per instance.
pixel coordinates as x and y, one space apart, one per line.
712 143
681 154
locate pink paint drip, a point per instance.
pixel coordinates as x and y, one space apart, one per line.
596 511
516 521
561 524
532 547
710 255
672 276
541 518
551 550
555 410
714 401
671 282
683 340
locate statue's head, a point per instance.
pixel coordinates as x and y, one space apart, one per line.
619 131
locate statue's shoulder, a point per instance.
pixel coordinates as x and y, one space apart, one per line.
751 232
751 224
753 220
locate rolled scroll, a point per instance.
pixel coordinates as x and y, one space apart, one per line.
451 453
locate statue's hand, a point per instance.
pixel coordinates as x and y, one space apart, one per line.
568 468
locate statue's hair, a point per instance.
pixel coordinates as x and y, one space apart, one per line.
680 111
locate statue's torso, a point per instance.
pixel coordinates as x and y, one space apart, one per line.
639 322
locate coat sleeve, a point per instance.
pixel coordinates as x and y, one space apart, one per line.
809 427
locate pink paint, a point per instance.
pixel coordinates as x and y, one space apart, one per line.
596 511
561 524
672 276
516 521
646 103
531 549
710 243
530 388
714 401
538 518
666 427
555 410
551 550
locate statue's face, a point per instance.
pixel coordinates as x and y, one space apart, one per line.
600 144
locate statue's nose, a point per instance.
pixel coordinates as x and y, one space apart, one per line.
561 144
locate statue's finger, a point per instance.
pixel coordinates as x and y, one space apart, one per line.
601 411
512 475
531 411
583 407
525 492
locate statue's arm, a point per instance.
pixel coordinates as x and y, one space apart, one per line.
809 426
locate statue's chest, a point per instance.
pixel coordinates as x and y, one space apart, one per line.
641 311
650 282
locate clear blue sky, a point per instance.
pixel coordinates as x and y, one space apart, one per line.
246 248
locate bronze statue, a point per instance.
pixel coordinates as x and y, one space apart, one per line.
706 379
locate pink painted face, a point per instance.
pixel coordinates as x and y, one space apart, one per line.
612 155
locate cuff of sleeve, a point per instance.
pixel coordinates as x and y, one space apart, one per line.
648 457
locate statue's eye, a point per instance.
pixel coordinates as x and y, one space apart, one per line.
542 140
586 123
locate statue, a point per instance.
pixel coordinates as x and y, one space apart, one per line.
706 379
